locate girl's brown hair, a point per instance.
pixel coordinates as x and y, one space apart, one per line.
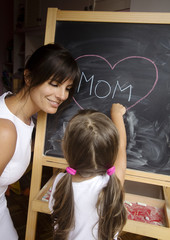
90 146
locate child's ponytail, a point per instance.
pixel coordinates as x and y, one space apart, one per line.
63 208
111 210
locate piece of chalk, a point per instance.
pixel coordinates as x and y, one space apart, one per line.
141 204
129 203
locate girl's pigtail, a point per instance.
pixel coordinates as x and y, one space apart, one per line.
111 209
63 208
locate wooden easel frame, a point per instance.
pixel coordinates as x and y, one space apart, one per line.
35 203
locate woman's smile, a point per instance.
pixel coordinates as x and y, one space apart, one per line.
53 103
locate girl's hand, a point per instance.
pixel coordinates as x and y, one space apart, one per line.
117 108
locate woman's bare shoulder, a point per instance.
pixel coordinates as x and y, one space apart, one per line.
8 133
7 128
8 138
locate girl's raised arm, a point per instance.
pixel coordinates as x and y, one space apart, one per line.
117 112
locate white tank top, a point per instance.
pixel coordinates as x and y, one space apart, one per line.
21 158
85 198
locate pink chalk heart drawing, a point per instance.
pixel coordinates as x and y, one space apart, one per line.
116 64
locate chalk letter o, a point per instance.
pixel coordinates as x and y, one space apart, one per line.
95 90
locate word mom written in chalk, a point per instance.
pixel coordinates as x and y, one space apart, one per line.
100 84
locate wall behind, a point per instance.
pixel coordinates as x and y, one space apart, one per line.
111 5
150 6
6 28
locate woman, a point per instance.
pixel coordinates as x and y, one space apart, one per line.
50 78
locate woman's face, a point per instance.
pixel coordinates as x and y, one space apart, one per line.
50 95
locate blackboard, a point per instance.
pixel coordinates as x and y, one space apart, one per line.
127 63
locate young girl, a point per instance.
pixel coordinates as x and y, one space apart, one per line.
87 201
51 75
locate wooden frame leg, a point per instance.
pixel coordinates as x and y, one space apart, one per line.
166 191
31 225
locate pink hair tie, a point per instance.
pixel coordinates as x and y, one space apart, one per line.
111 170
71 171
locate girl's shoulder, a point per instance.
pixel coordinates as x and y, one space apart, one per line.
56 180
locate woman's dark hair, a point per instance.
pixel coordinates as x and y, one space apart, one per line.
90 146
52 61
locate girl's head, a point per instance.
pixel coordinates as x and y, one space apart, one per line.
90 143
52 63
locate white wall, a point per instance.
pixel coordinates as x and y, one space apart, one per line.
150 6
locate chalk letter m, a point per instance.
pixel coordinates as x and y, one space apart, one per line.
123 89
87 80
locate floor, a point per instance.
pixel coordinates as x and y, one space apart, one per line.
18 206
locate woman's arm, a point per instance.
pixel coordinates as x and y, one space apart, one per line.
8 138
117 112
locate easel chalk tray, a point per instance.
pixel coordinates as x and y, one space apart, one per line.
123 57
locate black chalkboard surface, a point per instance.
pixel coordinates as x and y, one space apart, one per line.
127 63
